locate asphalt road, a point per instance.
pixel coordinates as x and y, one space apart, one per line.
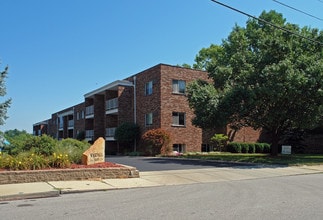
289 197
159 164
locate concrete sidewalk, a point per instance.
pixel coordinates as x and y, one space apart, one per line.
150 179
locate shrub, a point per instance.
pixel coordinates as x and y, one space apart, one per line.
244 147
17 143
15 163
157 141
63 153
44 145
134 153
234 147
220 141
73 148
59 161
37 161
5 160
37 144
259 147
23 161
266 148
252 148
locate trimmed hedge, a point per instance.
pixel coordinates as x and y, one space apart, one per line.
237 147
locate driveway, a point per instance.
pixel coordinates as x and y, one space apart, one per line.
160 164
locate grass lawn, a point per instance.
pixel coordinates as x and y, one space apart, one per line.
291 160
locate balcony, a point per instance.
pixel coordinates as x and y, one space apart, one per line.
60 126
89 135
111 106
109 134
89 111
70 124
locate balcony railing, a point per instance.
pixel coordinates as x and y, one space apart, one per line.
89 134
89 111
112 104
109 134
71 123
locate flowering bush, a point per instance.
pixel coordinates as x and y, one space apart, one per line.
157 141
23 161
30 155
38 161
59 161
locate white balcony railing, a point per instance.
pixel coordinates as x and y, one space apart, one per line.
109 134
71 123
112 104
60 126
89 134
89 111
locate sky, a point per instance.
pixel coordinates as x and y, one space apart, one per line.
59 50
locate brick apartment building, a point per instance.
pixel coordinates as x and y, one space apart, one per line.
153 98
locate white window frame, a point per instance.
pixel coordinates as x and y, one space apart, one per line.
176 119
149 119
149 88
179 86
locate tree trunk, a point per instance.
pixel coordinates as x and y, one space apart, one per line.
274 144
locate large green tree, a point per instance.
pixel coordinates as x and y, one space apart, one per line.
264 77
6 104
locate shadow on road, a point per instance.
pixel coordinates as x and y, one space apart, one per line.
163 163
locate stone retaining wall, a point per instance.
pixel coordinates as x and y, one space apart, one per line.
9 177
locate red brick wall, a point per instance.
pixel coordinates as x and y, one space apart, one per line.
148 103
189 135
52 126
246 134
125 110
314 143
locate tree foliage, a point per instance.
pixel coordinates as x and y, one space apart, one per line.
220 141
6 104
263 78
127 132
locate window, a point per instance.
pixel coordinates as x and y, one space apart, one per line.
179 86
178 119
180 148
149 119
77 116
149 88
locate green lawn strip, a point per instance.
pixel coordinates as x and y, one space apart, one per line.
291 160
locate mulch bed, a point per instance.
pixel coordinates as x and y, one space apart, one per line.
96 165
81 166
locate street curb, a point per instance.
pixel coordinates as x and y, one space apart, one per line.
54 193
